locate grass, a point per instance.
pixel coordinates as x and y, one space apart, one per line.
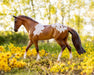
49 47
22 72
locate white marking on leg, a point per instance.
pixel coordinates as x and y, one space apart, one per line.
25 54
70 55
59 56
38 57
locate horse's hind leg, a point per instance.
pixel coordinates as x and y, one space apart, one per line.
29 44
63 46
69 48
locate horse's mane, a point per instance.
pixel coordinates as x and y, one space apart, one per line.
28 18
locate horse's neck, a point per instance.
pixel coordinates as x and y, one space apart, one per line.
29 25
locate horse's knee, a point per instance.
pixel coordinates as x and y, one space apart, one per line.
69 47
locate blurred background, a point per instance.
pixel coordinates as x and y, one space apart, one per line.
77 14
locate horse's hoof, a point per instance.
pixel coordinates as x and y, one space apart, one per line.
58 60
38 58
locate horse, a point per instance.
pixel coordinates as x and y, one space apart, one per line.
57 31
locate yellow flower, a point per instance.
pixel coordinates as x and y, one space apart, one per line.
29 53
20 64
53 55
34 52
42 52
79 67
7 68
10 46
81 73
62 70
66 68
68 62
2 55
46 54
4 60
8 55
13 60
1 48
62 64
18 55
24 47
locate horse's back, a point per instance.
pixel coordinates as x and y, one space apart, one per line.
49 32
46 33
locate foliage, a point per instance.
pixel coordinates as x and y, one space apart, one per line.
74 13
12 37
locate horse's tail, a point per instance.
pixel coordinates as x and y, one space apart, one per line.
76 41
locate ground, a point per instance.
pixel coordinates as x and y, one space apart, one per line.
12 62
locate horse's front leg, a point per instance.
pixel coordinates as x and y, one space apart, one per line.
37 49
29 44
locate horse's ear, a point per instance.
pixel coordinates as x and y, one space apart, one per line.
14 16
17 17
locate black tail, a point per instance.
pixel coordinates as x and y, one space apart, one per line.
76 41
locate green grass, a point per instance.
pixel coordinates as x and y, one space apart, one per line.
22 72
48 47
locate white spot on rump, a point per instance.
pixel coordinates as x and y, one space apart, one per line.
59 27
38 29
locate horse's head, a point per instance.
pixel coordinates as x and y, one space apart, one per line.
18 23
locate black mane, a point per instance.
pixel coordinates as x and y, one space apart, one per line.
28 18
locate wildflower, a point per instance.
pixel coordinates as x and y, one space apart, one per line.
18 55
1 48
8 55
68 62
53 55
46 54
62 70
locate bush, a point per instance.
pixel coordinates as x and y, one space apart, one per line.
12 37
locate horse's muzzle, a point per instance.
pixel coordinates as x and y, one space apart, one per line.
15 30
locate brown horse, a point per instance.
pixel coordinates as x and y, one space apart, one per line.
57 31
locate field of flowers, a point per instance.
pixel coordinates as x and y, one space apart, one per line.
12 62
